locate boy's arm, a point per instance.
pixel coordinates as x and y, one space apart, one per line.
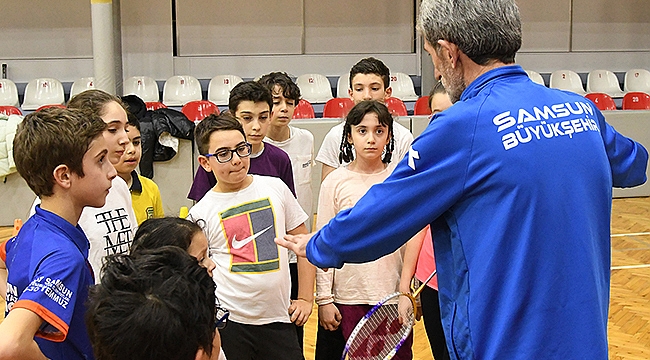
17 335
300 308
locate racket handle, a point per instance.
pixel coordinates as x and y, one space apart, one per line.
417 292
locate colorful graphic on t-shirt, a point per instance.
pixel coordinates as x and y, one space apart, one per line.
250 230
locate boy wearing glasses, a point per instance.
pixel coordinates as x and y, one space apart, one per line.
243 214
251 104
157 305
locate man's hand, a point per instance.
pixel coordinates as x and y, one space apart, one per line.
300 310
329 317
295 243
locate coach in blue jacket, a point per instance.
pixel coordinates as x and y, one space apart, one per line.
516 181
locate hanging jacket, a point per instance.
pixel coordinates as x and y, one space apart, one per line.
8 126
159 124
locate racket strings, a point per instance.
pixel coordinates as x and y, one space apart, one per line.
381 334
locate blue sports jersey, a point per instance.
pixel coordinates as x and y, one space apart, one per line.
516 181
49 275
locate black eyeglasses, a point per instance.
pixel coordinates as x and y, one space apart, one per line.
225 155
220 316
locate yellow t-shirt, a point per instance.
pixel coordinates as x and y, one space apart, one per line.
145 195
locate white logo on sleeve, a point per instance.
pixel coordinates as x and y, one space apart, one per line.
238 244
413 155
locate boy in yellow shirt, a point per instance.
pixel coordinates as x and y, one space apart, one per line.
145 195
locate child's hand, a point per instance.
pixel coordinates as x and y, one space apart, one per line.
404 309
300 310
329 316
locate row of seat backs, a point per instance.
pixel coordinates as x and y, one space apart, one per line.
633 100
598 81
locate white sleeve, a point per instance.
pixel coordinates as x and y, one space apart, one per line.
294 214
403 140
328 153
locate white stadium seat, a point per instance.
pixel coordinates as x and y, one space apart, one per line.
181 89
567 80
637 80
220 86
402 86
144 87
8 93
604 81
314 88
43 91
81 85
343 86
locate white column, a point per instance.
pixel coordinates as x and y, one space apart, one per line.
103 45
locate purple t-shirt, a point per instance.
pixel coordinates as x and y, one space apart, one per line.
273 161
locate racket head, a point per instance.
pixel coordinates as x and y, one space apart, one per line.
380 333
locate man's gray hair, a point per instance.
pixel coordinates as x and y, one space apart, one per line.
484 30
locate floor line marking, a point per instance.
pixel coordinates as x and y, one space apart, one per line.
630 234
625 267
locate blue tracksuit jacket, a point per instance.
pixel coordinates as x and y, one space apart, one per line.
516 181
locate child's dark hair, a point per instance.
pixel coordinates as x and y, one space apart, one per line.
167 231
371 65
93 100
132 120
157 305
355 116
249 91
212 123
437 88
51 137
289 89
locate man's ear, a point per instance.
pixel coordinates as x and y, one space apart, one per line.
449 51
62 176
350 93
205 163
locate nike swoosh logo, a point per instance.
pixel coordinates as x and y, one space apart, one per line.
238 244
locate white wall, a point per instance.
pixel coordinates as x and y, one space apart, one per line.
248 38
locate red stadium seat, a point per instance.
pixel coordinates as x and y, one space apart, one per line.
50 105
155 105
199 109
396 106
636 101
10 110
337 107
602 101
304 110
422 106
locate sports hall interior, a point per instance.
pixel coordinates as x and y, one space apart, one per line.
587 46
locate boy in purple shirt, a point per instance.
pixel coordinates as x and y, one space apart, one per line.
251 103
62 156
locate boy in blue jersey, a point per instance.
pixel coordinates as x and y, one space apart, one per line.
515 180
62 155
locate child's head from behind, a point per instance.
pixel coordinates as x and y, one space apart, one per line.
286 95
59 148
438 98
173 231
157 305
251 103
369 130
133 150
111 109
223 148
369 80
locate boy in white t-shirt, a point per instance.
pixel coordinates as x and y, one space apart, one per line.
369 80
299 144
242 215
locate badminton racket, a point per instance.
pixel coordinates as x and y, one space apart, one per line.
384 329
